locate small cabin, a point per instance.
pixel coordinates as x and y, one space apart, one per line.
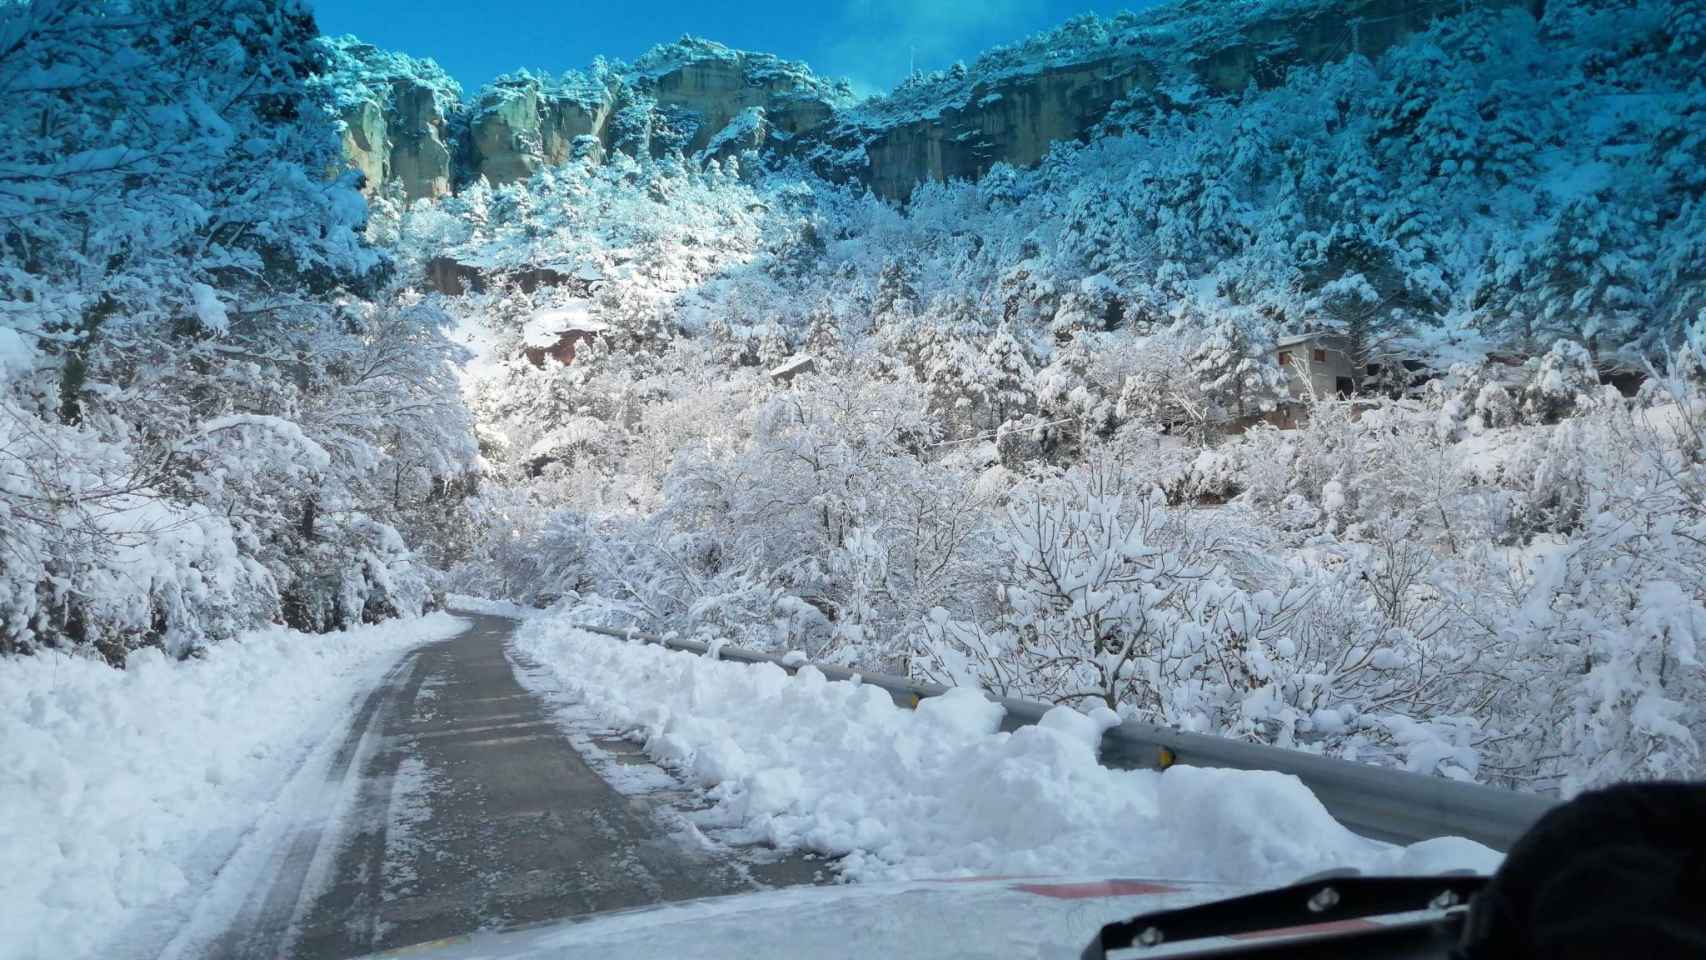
555 333
1316 363
792 367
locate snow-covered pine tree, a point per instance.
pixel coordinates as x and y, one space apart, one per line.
1591 274
1005 378
1230 361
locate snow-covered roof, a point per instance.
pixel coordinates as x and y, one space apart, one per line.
546 327
1298 338
796 364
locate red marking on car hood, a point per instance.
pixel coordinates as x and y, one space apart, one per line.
1097 888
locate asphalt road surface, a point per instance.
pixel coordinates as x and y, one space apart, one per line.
467 807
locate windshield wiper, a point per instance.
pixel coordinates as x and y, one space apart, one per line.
1302 906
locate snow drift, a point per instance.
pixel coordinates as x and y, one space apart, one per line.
803 762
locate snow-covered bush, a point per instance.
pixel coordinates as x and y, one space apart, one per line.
1563 378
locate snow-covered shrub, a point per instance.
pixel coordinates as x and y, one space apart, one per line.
1105 595
532 561
1613 614
94 554
1563 378
1495 407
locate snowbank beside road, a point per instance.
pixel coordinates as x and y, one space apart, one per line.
834 767
122 792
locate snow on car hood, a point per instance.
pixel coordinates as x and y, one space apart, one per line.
976 917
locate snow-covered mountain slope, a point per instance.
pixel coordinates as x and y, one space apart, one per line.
1014 103
1011 106
406 123
1026 455
1494 180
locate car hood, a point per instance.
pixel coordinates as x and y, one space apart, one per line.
971 917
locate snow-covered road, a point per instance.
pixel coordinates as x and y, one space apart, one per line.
127 797
464 805
304 797
326 797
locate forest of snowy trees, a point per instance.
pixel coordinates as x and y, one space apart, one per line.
231 397
1006 466
214 411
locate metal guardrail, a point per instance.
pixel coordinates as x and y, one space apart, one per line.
1377 802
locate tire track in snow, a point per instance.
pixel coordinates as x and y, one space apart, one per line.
455 802
303 820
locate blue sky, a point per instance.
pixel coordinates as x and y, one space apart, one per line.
867 41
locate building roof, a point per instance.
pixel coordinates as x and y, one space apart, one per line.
546 327
798 363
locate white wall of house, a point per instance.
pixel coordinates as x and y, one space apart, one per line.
1317 363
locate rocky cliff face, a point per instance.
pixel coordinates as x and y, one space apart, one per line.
707 101
420 141
1016 102
1012 122
406 123
396 116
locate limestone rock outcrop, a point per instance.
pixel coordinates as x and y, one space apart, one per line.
685 96
365 143
420 141
405 122
396 115
1014 122
1016 103
505 133
719 85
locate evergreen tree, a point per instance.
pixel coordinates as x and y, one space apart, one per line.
1231 365
1006 378
1590 275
